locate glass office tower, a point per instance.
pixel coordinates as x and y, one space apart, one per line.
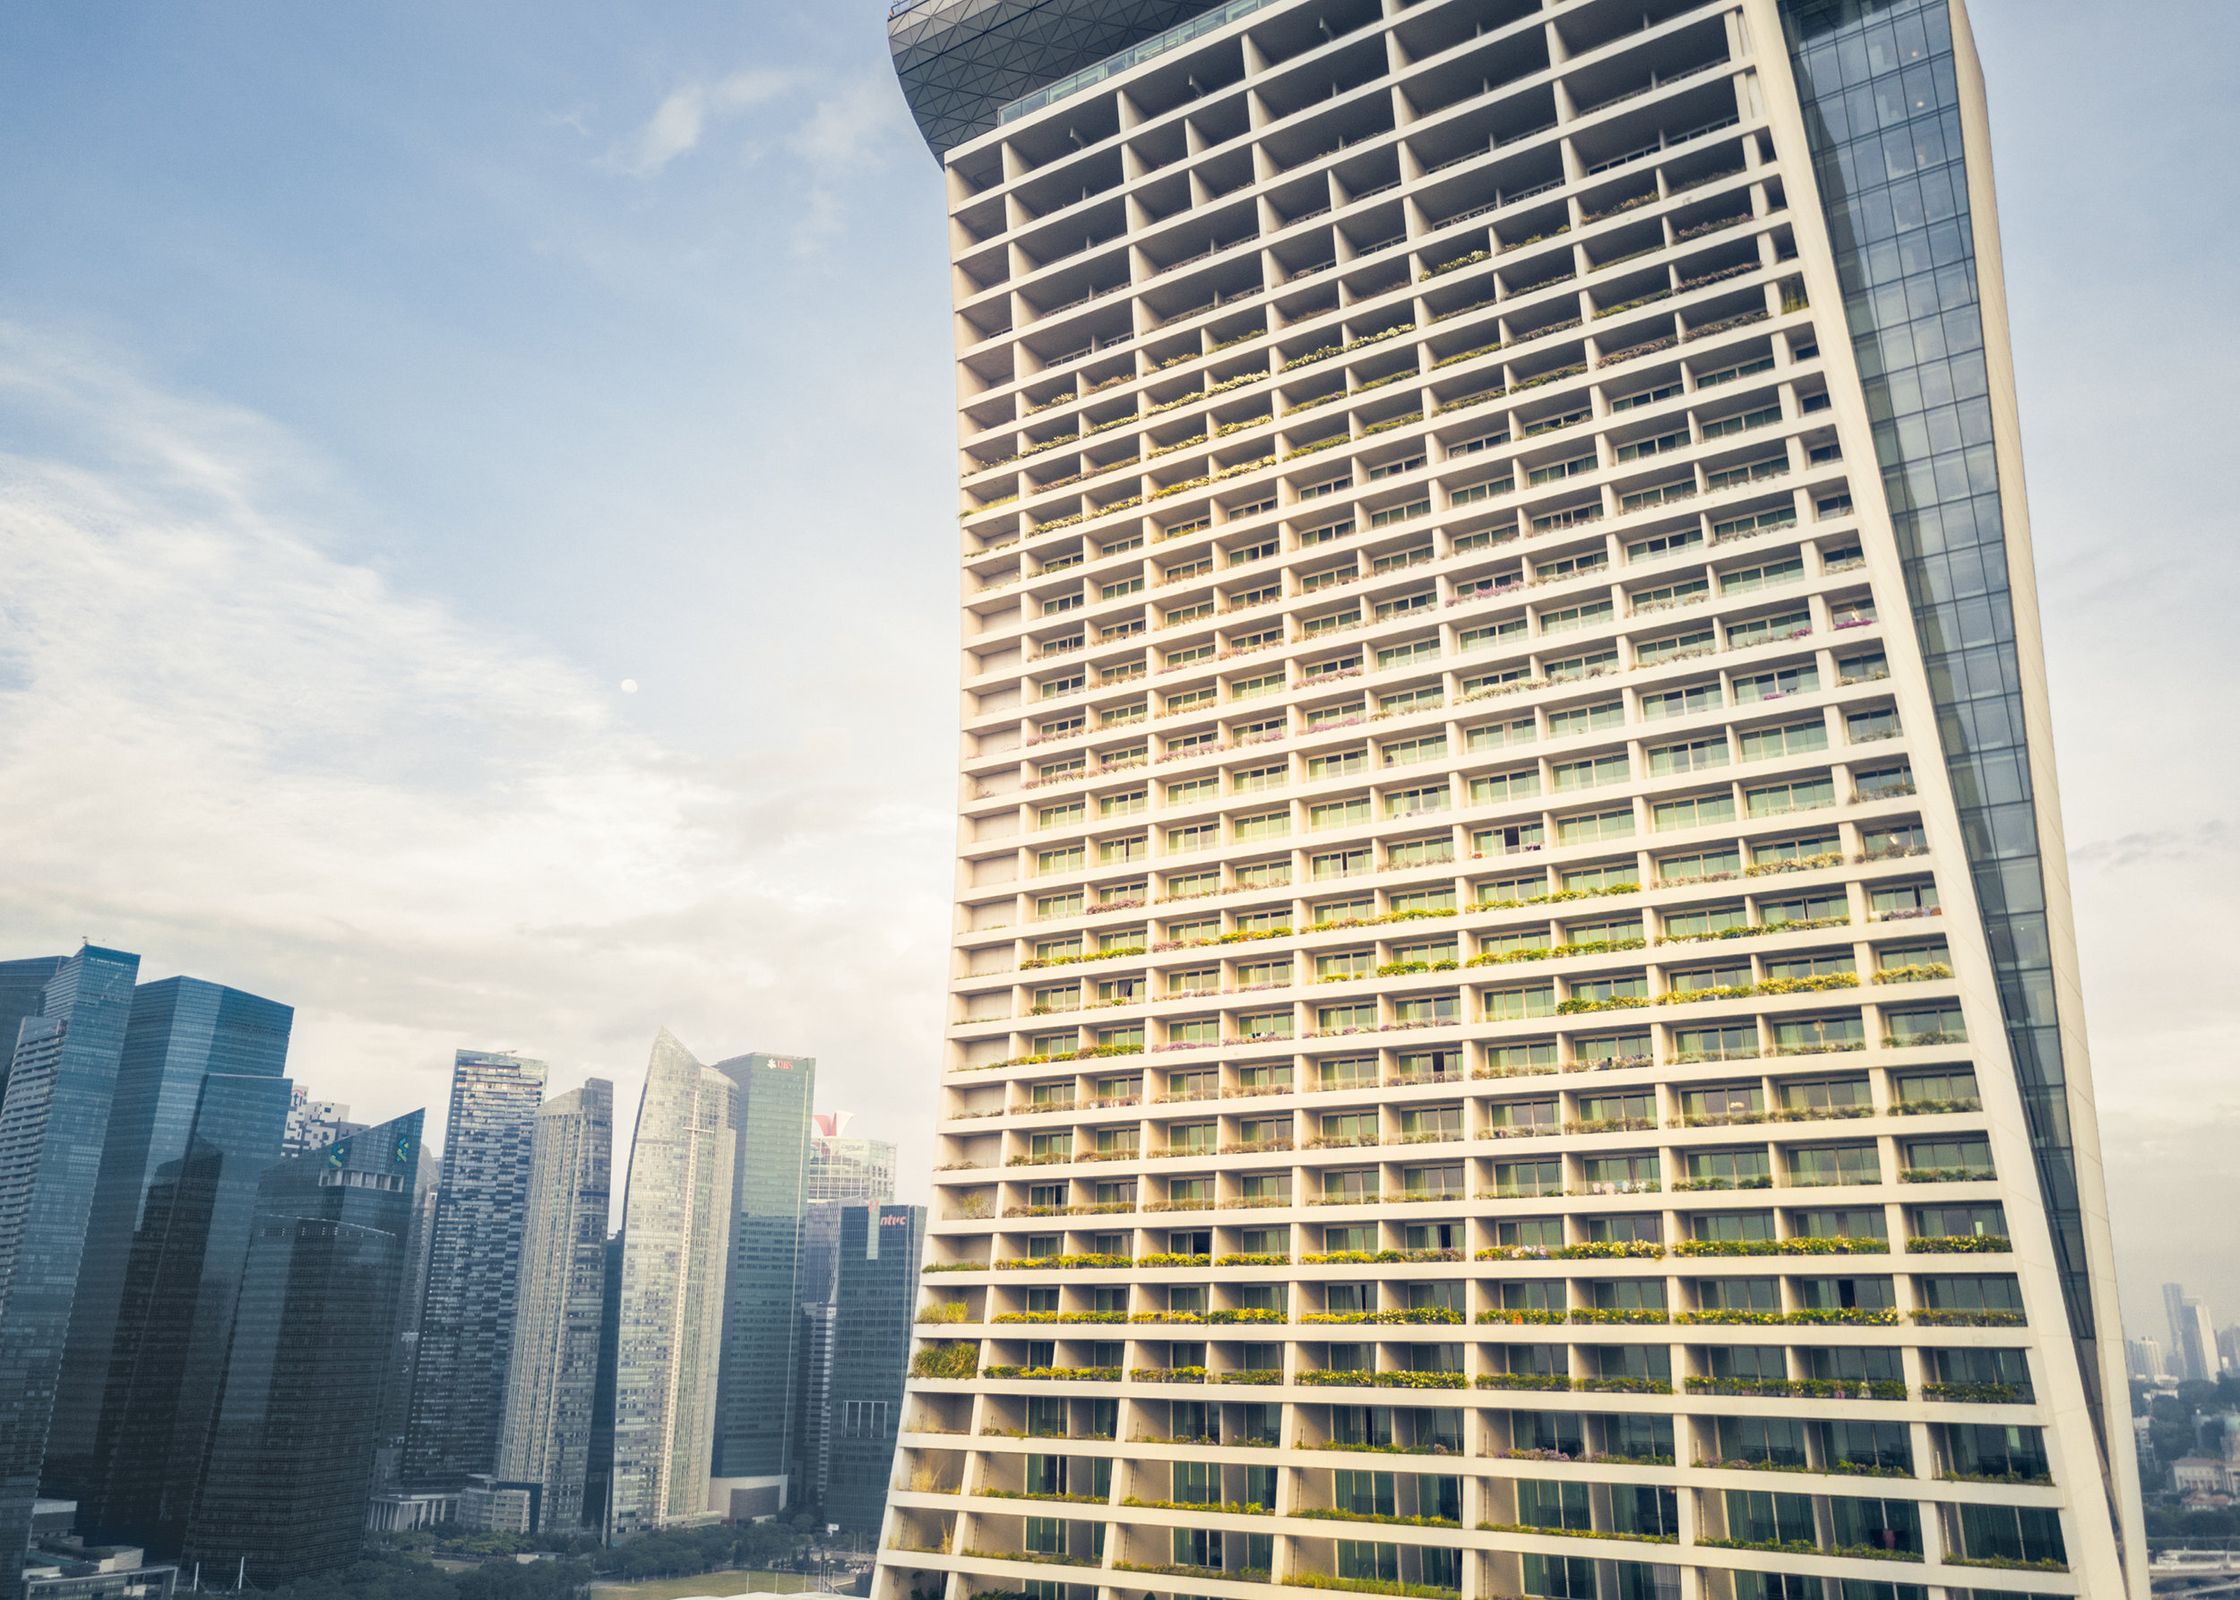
284 1486
881 1248
474 1261
54 1121
196 1118
1516 1027
754 1400
668 1312
552 1376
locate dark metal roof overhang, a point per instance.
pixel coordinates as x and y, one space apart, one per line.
961 61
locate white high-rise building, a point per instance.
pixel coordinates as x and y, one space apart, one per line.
545 1437
676 1246
2193 1337
1516 1026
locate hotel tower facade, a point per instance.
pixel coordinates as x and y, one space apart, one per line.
1515 1018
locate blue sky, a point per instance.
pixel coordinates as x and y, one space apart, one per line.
380 386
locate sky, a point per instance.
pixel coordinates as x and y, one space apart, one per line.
477 541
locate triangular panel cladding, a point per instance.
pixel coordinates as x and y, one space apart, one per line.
961 62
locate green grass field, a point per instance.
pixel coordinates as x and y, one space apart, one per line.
736 1581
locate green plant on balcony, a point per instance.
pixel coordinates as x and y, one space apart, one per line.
1417 1591
1960 1244
1982 1318
1988 1394
952 1358
1055 1374
944 1311
1914 972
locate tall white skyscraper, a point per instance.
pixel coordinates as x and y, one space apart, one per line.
676 1242
545 1437
1516 1026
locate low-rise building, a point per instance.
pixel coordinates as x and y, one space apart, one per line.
500 1505
399 1512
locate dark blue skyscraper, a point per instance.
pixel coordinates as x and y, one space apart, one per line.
23 991
54 1120
199 1089
474 1253
873 1305
290 1462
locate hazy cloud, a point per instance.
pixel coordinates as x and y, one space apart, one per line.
2156 845
679 122
250 759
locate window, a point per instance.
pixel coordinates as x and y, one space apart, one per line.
1742 580
1697 641
1865 727
1776 685
1487 635
1695 811
1682 702
1592 772
1613 824
1192 791
1806 1035
1495 735
1338 813
1803 850
1732 1041
1694 755
1514 1004
1801 794
1337 764
1929 1025
1702 866
1339 863
1268 825
1411 700
1404 752
1898 901
1415 802
1818 1165
1420 853
1789 739
1826 1097
1194 836
1493 788
1337 965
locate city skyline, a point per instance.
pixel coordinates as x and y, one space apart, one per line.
189 377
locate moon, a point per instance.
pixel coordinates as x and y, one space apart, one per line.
629 686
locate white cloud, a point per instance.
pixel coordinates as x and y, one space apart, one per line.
247 756
831 132
679 122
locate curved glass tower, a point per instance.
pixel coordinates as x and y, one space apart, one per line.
1515 1016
